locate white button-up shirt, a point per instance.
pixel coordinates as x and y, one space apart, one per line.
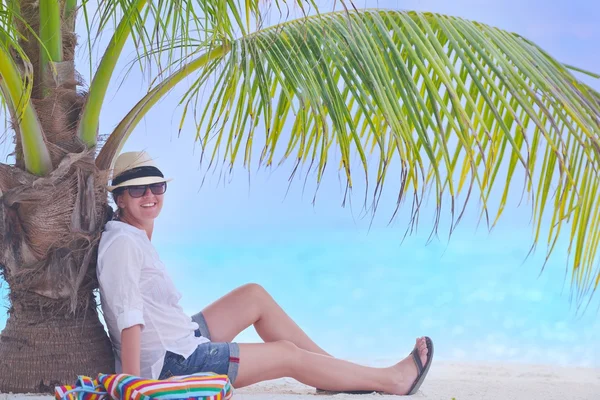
135 288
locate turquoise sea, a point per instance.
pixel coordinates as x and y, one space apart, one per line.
364 297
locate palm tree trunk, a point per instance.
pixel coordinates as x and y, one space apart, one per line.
39 353
49 231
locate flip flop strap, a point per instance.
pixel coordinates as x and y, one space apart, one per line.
415 355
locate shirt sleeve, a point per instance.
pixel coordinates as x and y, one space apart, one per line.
119 277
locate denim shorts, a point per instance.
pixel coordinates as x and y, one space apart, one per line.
220 358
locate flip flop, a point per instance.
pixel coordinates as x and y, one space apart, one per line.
421 374
421 371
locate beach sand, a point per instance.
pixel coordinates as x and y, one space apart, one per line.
461 381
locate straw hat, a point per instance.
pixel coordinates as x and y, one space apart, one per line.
135 168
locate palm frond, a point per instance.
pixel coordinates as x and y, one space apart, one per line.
8 39
466 109
50 18
113 145
583 71
9 13
162 23
15 89
90 119
164 30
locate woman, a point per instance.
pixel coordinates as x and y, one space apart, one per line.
152 336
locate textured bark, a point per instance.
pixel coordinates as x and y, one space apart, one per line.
38 352
49 232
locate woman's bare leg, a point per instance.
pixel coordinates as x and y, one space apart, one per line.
265 361
252 305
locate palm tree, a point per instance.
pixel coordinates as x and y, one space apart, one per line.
465 107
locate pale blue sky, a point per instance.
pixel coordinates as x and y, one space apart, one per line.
322 263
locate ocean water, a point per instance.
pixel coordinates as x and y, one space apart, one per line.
365 297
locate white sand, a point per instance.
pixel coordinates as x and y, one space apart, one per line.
449 380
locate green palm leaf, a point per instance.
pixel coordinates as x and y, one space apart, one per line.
169 29
465 108
15 90
164 31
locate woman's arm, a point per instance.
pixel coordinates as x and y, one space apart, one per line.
130 350
119 274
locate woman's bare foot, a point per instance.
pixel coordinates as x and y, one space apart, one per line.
405 372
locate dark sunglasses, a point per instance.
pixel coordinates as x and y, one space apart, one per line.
140 190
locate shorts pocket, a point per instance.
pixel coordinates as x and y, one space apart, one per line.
165 374
171 365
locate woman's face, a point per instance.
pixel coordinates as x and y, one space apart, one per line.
140 209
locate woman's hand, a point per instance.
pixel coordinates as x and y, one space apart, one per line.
130 350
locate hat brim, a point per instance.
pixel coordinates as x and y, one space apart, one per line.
146 180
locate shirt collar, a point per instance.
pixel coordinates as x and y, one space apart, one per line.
123 226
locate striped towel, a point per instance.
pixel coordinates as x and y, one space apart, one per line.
200 386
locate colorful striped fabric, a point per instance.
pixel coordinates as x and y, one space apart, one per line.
200 386
86 388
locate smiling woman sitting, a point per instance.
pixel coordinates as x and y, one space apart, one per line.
153 338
